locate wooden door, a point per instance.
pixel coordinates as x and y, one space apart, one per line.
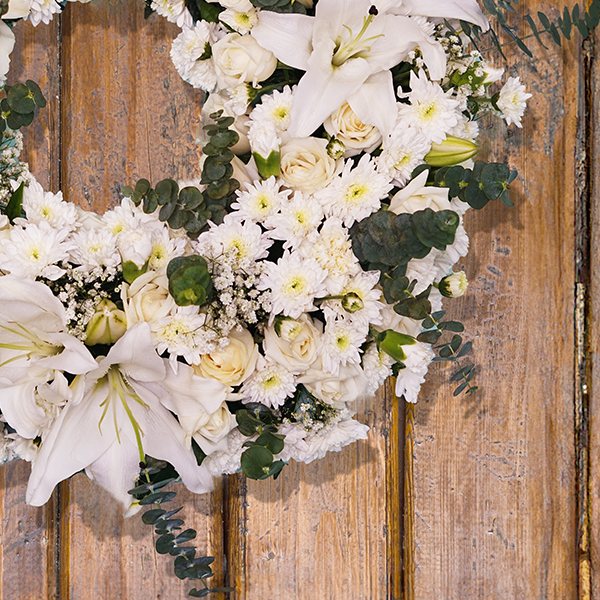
488 497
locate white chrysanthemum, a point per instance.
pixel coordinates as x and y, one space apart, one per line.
183 334
164 248
294 283
239 98
331 438
466 130
42 11
242 22
402 152
34 251
333 252
41 206
297 222
340 344
431 110
424 270
174 11
245 240
356 193
122 218
191 51
270 384
409 379
513 101
274 108
94 248
260 200
367 309
377 366
228 462
263 138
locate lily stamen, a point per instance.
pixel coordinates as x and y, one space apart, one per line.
354 48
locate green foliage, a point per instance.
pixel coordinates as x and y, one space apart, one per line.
190 208
131 271
258 460
154 476
189 281
486 182
579 18
204 11
18 107
14 208
281 6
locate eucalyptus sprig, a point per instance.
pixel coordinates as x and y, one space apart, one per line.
584 19
154 476
17 109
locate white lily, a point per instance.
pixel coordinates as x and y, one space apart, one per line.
113 421
346 44
32 324
465 10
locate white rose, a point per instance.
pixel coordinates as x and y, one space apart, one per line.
17 9
347 128
214 103
296 352
337 390
211 432
147 298
136 246
234 364
417 196
239 58
306 165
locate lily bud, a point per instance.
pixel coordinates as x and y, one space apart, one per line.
335 148
391 343
268 167
452 151
453 286
352 302
107 325
287 328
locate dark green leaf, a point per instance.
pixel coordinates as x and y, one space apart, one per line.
150 517
460 388
256 462
158 498
14 207
38 97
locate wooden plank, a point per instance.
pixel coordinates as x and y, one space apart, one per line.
495 506
326 530
28 557
127 114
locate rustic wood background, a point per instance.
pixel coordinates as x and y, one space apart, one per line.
489 497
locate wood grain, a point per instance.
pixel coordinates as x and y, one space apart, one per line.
28 537
495 506
127 114
322 530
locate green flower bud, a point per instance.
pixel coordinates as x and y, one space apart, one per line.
391 342
107 325
352 302
335 148
454 285
287 328
268 167
452 151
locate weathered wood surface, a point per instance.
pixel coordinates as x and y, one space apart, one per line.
492 487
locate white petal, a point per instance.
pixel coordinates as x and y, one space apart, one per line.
375 102
287 36
324 89
467 10
75 358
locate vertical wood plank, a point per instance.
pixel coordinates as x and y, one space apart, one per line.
127 114
495 505
28 536
322 530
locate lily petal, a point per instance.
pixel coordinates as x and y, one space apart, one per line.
75 358
466 10
375 102
323 89
287 36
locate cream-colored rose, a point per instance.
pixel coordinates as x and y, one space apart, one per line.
348 386
233 365
214 103
147 298
211 432
356 136
17 9
295 352
240 59
306 165
417 196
